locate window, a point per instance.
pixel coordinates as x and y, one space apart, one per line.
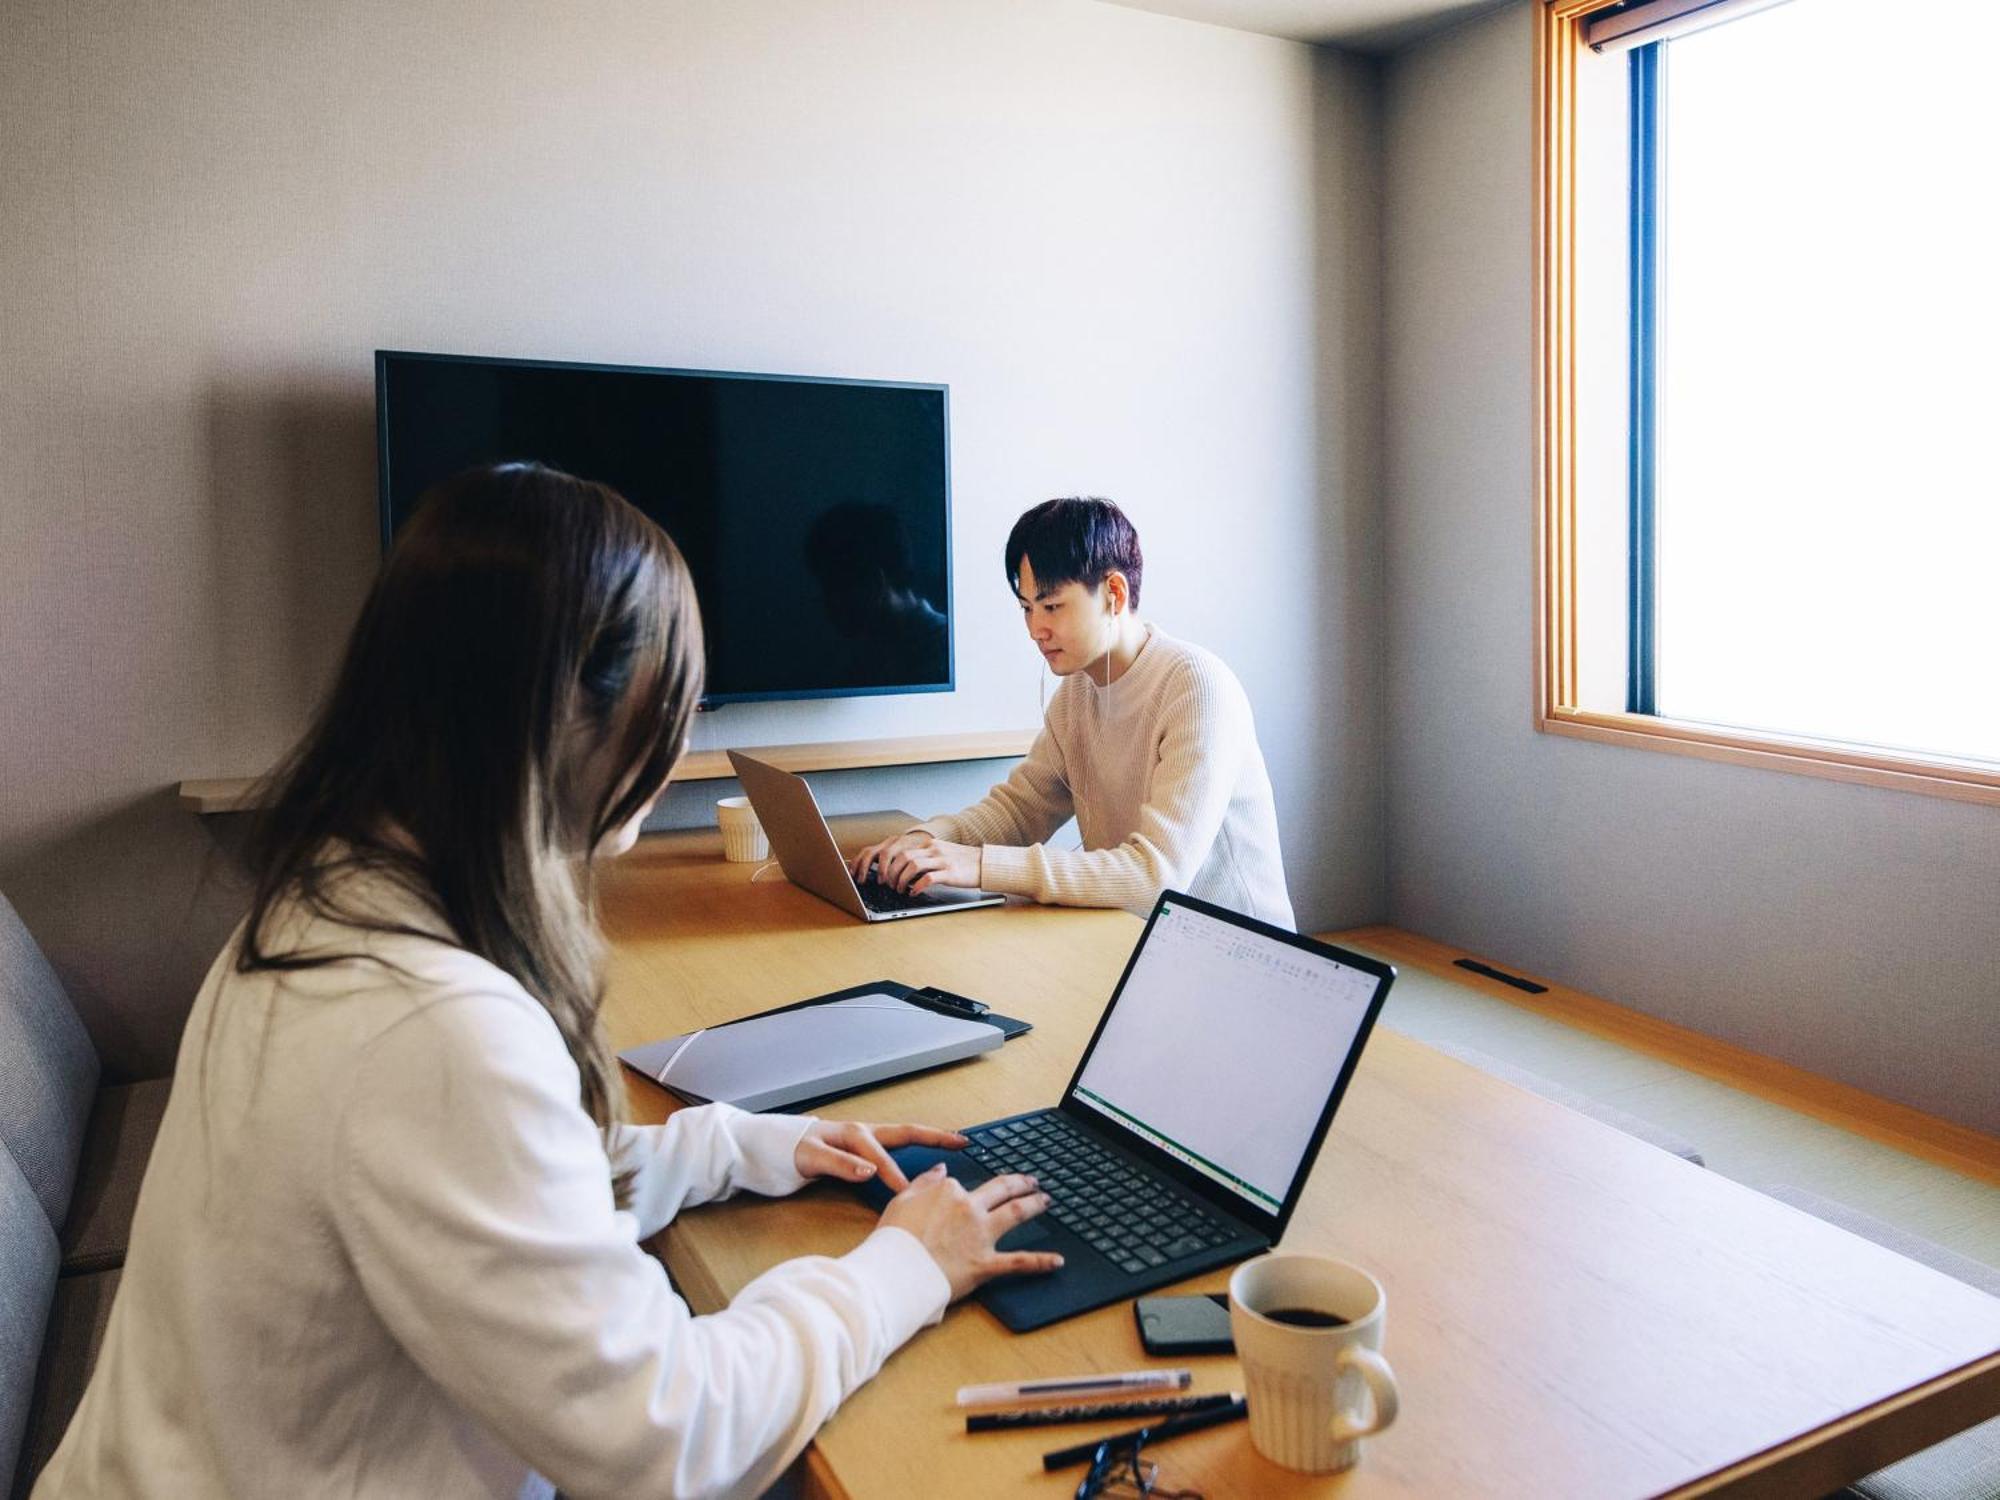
1807 514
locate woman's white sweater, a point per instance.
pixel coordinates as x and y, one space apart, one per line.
376 1253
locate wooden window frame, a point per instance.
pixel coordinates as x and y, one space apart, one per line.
1558 38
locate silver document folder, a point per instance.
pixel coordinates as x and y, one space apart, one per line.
809 1052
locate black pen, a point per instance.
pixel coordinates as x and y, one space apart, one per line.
930 997
1082 1453
1053 1416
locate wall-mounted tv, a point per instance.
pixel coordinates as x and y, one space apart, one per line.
814 514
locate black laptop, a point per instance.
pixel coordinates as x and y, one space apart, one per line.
1186 1136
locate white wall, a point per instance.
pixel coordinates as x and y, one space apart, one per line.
1131 245
1846 929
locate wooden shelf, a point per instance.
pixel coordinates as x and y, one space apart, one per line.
239 794
857 755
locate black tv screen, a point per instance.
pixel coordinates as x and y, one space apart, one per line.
814 514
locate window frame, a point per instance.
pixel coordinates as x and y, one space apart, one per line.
1557 703
1642 610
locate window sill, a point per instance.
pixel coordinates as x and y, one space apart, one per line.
1933 776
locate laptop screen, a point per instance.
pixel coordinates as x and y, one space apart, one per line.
1223 1046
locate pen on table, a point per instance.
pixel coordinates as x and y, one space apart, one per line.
1075 1385
1057 1416
1157 1432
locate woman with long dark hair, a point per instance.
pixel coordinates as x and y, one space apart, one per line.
388 1242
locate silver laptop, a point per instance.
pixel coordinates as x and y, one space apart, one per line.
813 862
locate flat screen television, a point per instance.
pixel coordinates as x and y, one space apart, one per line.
814 514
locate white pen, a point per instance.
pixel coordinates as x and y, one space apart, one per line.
1075 1385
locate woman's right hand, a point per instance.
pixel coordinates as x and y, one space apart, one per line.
959 1228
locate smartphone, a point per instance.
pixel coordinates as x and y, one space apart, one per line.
1184 1325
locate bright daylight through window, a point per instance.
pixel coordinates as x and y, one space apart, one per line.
1827 376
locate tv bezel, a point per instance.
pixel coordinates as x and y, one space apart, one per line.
708 700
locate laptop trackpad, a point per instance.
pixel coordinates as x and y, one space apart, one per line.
1028 1236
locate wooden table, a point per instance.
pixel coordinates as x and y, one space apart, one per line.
1572 1313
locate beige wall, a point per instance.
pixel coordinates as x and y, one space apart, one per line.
1140 251
1846 929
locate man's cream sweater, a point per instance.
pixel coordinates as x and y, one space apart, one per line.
1162 772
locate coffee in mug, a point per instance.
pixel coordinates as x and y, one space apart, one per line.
1308 1329
1306 1317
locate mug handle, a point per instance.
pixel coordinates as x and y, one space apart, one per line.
1381 1382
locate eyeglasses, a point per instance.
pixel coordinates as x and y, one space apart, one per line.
1116 1470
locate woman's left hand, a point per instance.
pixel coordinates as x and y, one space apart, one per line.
854 1152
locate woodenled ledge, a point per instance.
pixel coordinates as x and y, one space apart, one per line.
1945 1143
239 794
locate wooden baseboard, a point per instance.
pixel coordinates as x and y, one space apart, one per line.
240 793
1943 1142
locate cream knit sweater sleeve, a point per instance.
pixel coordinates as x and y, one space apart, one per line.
1032 803
1205 727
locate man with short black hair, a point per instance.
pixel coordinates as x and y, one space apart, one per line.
1149 743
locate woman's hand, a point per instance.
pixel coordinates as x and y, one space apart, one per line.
854 1152
959 1228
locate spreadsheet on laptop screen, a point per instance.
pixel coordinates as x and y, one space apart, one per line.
1223 1048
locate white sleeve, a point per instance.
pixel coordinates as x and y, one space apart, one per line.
706 1153
473 1195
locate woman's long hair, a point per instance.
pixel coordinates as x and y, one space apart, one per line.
518 686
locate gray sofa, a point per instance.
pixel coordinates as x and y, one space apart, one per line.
72 1154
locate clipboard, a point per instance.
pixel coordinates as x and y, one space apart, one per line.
652 1060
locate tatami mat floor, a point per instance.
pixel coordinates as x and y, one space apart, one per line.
1741 1135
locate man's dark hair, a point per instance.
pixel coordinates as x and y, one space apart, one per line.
1075 540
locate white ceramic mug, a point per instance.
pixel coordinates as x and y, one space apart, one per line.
1306 1385
742 835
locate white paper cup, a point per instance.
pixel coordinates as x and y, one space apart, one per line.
1314 1393
742 835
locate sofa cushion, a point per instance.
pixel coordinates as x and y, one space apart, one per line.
116 1148
1965 1467
1583 1104
77 1319
48 1068
28 1258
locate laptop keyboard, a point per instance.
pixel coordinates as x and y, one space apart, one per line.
1126 1214
879 897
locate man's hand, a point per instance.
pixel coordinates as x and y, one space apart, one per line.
876 856
934 862
854 1152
